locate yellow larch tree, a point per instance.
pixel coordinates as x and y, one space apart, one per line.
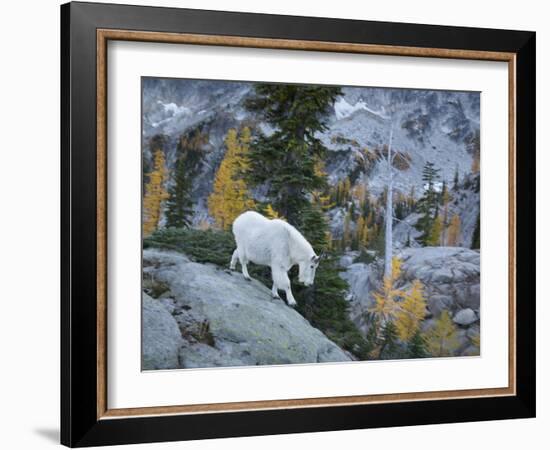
230 196
411 313
434 239
155 193
361 232
386 300
453 232
442 338
271 213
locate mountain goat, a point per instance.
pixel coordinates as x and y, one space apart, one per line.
276 244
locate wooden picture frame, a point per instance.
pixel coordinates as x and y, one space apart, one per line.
86 418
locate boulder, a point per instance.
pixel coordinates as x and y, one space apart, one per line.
161 338
465 317
226 320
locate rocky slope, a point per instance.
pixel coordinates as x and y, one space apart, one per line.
199 315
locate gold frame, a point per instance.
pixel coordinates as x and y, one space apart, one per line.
103 36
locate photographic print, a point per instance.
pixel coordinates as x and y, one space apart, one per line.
298 224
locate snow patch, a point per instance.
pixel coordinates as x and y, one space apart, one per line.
343 109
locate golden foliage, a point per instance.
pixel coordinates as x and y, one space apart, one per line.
271 213
412 311
362 232
434 238
155 194
230 196
453 232
386 299
442 338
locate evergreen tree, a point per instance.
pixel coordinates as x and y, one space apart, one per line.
389 348
456 183
475 236
428 205
230 196
416 347
285 160
179 207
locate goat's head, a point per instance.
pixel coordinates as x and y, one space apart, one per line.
308 267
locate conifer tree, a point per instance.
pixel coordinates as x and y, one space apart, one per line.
361 232
230 196
416 347
155 194
453 233
285 160
346 237
412 311
428 205
179 207
434 237
475 237
389 348
442 338
456 183
386 298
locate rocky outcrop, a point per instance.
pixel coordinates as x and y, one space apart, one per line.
450 276
224 320
161 336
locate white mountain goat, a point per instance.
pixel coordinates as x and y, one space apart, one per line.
276 244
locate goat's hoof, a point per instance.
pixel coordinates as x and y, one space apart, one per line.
292 304
247 278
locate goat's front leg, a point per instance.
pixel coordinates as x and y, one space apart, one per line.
281 281
275 291
245 270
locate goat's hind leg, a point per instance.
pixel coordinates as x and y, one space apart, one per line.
234 259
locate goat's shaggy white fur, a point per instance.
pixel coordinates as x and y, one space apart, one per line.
276 244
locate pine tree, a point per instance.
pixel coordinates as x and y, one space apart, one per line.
230 196
416 347
346 238
442 338
155 194
434 238
456 183
179 207
428 205
474 148
285 160
453 233
389 348
476 235
412 311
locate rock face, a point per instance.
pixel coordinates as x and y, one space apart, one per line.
224 320
450 276
161 336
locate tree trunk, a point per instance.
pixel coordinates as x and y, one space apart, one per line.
389 213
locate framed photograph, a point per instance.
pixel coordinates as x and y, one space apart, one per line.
276 224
